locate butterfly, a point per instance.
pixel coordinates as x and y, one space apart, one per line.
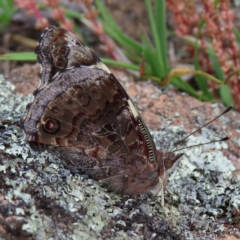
81 108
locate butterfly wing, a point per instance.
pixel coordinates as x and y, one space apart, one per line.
79 104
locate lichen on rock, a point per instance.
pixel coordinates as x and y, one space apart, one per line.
42 198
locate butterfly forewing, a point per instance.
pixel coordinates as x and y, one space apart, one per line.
80 104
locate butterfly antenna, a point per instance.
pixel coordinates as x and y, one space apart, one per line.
201 144
224 112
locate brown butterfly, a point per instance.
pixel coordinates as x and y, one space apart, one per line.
82 109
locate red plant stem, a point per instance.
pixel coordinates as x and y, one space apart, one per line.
234 52
36 12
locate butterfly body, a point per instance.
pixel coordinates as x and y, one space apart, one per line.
81 108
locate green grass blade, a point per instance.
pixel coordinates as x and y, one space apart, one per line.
6 12
195 44
226 95
201 80
216 66
112 29
122 39
150 58
73 14
158 55
146 42
20 56
105 13
202 83
30 56
121 64
224 90
160 16
178 82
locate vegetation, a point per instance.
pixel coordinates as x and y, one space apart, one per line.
207 32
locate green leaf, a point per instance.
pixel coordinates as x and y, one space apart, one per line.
73 14
152 60
201 81
105 13
159 59
146 42
178 82
160 16
20 56
29 56
112 29
120 64
216 66
226 96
